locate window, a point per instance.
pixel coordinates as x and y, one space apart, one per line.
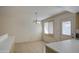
66 28
48 28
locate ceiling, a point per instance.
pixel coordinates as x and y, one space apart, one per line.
43 11
73 9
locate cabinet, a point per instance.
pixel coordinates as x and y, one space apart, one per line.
77 21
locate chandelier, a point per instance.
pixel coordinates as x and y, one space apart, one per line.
36 21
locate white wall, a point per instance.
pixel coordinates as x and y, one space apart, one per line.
19 23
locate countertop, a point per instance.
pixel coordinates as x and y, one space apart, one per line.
66 46
6 45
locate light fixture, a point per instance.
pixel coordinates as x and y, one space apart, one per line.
36 21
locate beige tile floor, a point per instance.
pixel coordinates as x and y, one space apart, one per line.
30 47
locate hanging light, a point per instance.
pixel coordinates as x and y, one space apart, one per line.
36 21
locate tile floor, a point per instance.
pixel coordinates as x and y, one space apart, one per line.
30 47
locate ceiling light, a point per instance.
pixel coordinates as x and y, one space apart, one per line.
36 21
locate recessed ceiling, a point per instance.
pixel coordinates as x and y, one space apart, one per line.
73 9
43 11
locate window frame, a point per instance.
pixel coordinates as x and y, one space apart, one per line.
48 33
70 28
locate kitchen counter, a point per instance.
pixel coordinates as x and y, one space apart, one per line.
66 46
6 45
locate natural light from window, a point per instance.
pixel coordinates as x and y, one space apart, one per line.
48 28
66 28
